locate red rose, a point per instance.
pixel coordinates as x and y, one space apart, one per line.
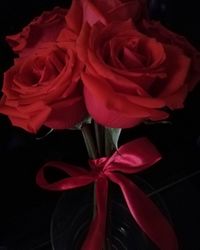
44 28
157 30
130 76
44 88
104 11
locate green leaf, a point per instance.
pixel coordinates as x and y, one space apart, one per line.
115 134
111 140
78 126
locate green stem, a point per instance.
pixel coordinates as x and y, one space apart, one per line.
109 146
92 152
100 138
89 142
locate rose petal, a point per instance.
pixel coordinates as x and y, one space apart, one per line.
74 21
83 42
66 113
33 123
176 100
157 30
30 117
135 9
92 14
127 104
44 28
116 119
178 66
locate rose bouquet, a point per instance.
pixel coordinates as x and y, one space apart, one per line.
101 66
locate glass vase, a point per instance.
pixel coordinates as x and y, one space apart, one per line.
74 211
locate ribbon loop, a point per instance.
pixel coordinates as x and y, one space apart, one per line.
133 157
80 177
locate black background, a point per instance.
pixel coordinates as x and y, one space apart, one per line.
25 210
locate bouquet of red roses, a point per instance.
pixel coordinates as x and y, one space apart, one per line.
104 64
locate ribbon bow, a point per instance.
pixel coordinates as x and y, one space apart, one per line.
132 157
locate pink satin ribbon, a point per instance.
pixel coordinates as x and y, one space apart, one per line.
130 158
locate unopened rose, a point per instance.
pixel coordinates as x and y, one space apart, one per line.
130 76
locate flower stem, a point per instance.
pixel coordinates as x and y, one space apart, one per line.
109 146
92 153
89 142
100 138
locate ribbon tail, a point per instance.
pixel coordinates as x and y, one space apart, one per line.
96 234
146 214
